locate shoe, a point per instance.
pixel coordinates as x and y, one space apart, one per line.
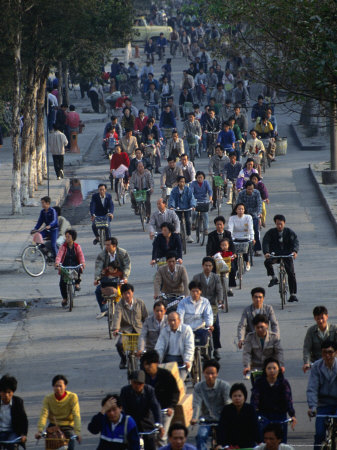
247 266
228 203
190 240
122 365
61 173
58 178
95 241
257 254
273 282
77 288
213 208
216 355
230 293
64 303
293 298
101 315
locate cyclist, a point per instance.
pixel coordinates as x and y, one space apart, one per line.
212 290
48 217
171 173
316 334
185 97
70 254
241 119
272 437
258 306
240 95
62 410
281 240
203 193
231 173
211 125
129 318
150 79
165 89
176 344
165 386
111 253
182 198
119 158
251 199
116 428
152 327
171 278
163 215
260 186
166 241
259 109
139 158
152 98
129 143
200 84
149 50
209 398
167 119
128 120
322 389
260 345
211 81
140 121
192 131
177 434
186 167
174 42
226 138
174 146
255 149
133 73
142 179
245 173
214 238
238 136
216 167
161 44
101 205
13 417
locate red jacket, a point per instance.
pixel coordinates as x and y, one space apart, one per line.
63 250
118 159
140 124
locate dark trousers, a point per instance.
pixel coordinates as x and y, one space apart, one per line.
187 220
94 101
58 164
216 333
257 246
53 235
100 300
290 269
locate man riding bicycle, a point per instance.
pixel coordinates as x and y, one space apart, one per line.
281 241
216 167
48 216
101 205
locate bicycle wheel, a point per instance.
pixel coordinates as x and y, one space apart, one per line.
183 235
197 228
70 296
201 229
192 153
219 199
282 288
33 261
234 197
250 254
142 214
119 193
196 377
240 269
224 292
263 163
123 193
111 311
102 237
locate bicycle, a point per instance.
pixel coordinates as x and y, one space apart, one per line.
140 198
214 426
36 256
202 207
102 224
223 280
183 227
130 347
192 141
282 278
211 142
153 432
166 192
242 247
219 184
196 370
330 441
70 276
171 301
59 443
14 443
121 191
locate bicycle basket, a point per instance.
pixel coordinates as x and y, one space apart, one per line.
140 196
130 342
68 274
241 247
218 181
101 222
202 207
191 139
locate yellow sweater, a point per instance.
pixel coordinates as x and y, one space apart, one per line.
65 412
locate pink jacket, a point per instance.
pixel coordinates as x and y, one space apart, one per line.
63 250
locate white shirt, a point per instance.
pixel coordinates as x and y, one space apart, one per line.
6 417
112 257
53 100
241 227
102 199
128 305
174 347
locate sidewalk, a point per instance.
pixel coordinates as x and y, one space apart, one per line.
14 234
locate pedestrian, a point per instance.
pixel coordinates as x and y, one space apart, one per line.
57 144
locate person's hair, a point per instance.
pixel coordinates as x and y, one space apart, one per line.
174 131
58 210
177 426
255 175
328 343
225 124
171 158
138 149
159 303
113 118
150 73
115 396
275 428
171 254
127 287
249 183
72 233
232 154
219 219
219 146
8 383
191 114
180 178
225 240
238 387
318 310
279 217
234 212
71 108
113 241
183 155
249 160
151 356
46 199
59 378
268 361
102 184
238 105
256 290
260 318
141 111
163 200
195 285
208 259
251 131
113 264
168 225
200 172
210 363
219 84
260 97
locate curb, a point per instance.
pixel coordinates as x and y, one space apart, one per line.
103 119
323 199
313 147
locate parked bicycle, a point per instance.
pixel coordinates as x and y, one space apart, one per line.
140 197
70 276
183 234
201 208
241 248
130 347
102 224
37 255
282 276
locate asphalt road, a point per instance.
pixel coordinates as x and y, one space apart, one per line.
49 340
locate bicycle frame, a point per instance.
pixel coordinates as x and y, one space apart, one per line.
283 280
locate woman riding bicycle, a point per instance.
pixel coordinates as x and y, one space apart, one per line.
241 228
255 178
166 241
255 149
201 189
70 254
119 158
245 174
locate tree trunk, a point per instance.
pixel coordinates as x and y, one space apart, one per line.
333 136
60 87
66 83
16 171
40 121
32 181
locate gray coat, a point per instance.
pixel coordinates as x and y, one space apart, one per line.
157 218
122 258
130 320
170 176
253 353
312 343
212 291
246 323
150 333
163 281
186 342
321 390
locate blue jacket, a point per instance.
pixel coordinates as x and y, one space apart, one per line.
322 390
226 139
167 120
200 192
96 207
185 200
115 439
49 218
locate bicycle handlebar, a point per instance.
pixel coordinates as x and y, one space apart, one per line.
329 416
149 433
272 255
13 441
71 267
183 210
